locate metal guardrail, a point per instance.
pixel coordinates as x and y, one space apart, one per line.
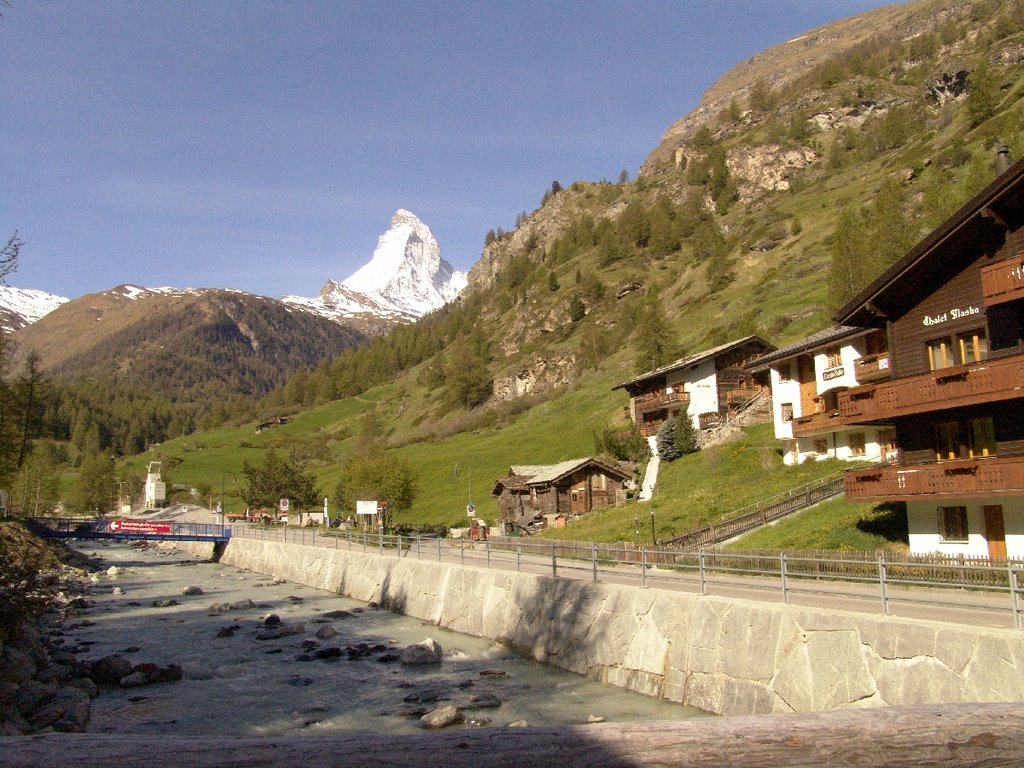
929 590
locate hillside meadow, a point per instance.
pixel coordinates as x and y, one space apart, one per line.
696 490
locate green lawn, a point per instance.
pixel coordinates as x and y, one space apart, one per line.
702 488
835 524
693 491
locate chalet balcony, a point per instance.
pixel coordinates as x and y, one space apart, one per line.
982 382
645 404
816 423
1003 281
960 478
872 368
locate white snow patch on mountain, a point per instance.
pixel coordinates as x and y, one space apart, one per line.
23 306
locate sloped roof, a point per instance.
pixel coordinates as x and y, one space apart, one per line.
695 360
524 475
814 341
960 236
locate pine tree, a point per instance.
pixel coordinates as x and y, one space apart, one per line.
982 94
687 439
577 309
279 479
848 269
95 489
668 450
653 337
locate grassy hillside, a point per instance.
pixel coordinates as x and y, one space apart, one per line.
450 469
710 240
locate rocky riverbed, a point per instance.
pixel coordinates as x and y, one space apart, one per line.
161 643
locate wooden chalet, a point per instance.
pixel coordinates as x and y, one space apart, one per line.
537 496
707 386
952 310
807 378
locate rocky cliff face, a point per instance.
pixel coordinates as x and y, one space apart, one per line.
786 62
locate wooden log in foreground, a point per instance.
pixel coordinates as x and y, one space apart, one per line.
958 735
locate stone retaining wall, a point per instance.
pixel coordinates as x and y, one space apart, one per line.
724 656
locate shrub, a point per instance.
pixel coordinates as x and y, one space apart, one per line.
25 589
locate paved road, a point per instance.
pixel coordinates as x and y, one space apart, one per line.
972 607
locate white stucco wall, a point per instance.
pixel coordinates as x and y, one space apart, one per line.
803 449
798 450
923 522
848 353
702 386
784 392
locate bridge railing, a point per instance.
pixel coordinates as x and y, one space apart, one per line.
101 527
877 582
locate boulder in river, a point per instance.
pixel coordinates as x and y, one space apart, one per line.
442 717
427 652
109 670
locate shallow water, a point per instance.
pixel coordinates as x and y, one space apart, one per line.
242 685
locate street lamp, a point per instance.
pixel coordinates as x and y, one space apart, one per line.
653 540
223 480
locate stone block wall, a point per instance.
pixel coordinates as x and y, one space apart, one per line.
724 656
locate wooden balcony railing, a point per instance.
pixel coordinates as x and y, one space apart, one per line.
1003 281
647 403
960 478
816 423
872 368
981 382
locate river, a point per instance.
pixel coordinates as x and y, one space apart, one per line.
245 677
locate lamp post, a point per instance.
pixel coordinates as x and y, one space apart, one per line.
653 540
636 528
223 479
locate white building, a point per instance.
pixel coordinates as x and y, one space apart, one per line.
156 490
706 386
806 379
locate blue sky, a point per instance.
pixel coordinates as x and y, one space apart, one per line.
264 146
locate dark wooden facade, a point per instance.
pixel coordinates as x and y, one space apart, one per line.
529 495
953 311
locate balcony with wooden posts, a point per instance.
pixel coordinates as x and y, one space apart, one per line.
1003 281
648 403
871 368
956 479
962 385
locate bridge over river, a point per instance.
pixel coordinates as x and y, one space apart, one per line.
127 528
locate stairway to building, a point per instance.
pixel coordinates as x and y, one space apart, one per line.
651 473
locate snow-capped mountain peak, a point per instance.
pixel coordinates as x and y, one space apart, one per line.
405 279
23 306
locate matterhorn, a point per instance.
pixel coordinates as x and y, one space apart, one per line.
405 279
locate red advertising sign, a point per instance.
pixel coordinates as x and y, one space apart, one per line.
138 526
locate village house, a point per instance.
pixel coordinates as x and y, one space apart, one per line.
953 312
706 386
807 378
549 495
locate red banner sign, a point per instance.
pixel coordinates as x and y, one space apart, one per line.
138 526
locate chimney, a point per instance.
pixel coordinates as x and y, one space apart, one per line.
1002 157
